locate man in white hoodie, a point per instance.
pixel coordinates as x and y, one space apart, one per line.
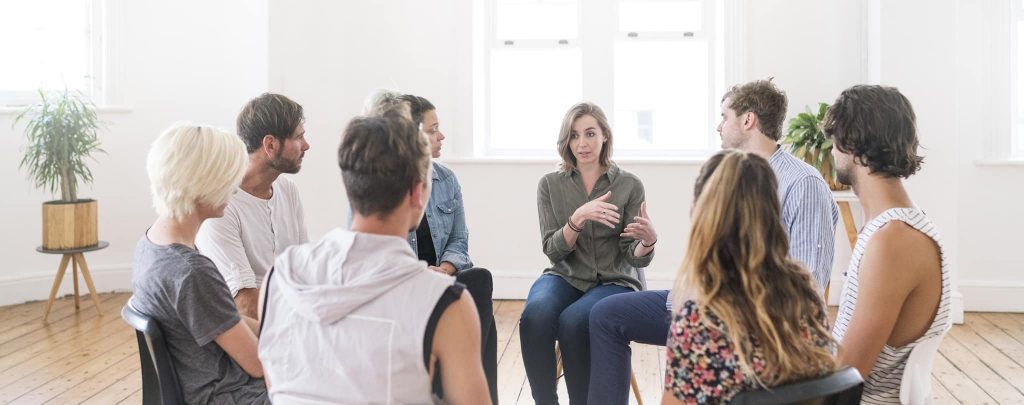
356 317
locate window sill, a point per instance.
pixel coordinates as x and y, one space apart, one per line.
526 160
106 109
1017 161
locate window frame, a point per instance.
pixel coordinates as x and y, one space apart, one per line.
98 62
598 33
1016 143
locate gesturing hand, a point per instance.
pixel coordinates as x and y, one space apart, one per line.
642 229
598 210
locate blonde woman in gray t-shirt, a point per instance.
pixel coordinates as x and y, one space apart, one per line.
193 170
595 231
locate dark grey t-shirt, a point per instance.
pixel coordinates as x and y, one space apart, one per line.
183 291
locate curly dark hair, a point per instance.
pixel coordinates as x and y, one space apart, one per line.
876 125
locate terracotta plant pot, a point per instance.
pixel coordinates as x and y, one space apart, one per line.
69 225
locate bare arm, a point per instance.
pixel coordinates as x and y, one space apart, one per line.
252 324
668 398
240 343
888 274
259 297
247 300
259 311
457 348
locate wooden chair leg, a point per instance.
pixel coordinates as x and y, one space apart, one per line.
74 276
88 282
558 363
848 222
636 388
56 284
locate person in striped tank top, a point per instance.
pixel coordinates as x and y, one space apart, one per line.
897 290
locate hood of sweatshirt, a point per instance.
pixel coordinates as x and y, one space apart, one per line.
329 279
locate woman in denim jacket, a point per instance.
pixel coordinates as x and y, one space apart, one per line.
442 239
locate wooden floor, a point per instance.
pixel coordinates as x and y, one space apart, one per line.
80 357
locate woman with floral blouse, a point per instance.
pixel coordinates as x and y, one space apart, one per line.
746 315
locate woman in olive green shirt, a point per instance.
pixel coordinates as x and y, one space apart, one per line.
596 232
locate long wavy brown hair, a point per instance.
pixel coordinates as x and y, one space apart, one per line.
737 267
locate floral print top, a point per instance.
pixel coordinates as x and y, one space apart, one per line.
703 366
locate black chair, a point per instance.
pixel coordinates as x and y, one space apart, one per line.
840 388
160 385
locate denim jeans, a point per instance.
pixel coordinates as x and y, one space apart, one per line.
614 322
556 310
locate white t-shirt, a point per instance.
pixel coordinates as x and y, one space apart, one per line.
253 231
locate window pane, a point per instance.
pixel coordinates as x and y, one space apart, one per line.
661 95
1020 70
526 19
1019 141
531 89
50 40
639 16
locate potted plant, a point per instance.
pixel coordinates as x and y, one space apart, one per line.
807 141
61 132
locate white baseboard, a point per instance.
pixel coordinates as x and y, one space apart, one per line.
36 286
969 297
515 286
986 296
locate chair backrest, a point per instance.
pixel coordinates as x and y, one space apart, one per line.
839 388
916 384
640 275
160 385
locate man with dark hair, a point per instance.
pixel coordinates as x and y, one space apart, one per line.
356 317
897 292
752 117
265 216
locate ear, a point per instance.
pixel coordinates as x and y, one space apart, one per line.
749 120
416 194
270 145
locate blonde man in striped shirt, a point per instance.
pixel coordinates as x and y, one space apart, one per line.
897 290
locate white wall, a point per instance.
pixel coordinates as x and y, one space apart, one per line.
330 55
348 55
185 60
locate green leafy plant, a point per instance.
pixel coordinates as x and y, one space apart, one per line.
61 132
806 141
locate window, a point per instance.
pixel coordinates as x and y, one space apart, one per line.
1018 115
53 44
654 66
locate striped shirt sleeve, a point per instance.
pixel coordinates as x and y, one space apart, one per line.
810 215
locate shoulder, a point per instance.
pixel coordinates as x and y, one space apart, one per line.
796 174
790 167
554 179
898 245
286 185
627 181
895 238
687 317
624 174
187 267
443 172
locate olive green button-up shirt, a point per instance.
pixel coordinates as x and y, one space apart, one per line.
600 255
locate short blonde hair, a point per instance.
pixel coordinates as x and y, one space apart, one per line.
191 163
382 100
